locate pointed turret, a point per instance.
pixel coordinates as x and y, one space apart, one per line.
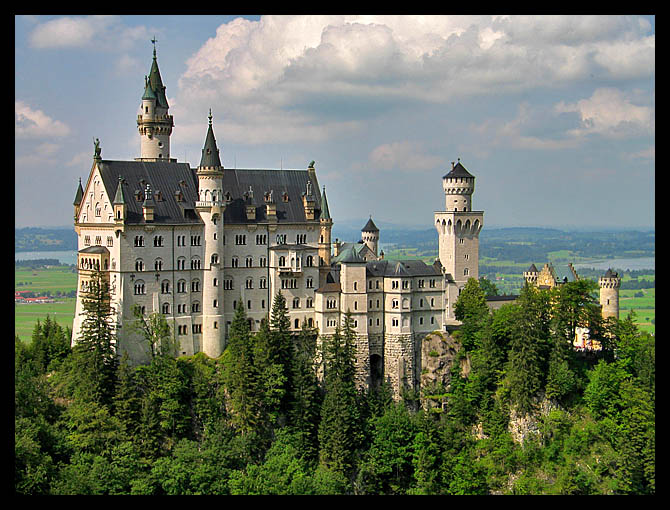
325 213
154 123
371 235
78 197
119 204
210 152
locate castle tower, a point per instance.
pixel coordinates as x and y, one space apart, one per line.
154 123
609 294
459 226
370 236
531 275
325 226
210 207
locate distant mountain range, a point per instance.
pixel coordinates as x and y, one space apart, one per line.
517 244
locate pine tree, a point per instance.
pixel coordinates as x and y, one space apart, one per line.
241 376
282 344
528 348
305 398
94 353
338 429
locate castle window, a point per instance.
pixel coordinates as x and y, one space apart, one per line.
262 262
309 262
181 286
158 265
466 272
158 241
228 284
249 262
394 322
263 283
355 285
110 241
139 265
165 287
235 262
261 239
282 261
181 263
249 284
166 308
195 307
195 263
98 240
240 239
215 282
215 258
309 303
309 283
195 285
296 324
97 209
139 288
215 303
139 241
394 303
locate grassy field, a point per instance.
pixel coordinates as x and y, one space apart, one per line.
26 315
644 307
39 281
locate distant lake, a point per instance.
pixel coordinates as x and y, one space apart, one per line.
64 257
630 264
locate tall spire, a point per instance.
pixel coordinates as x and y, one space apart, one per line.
210 152
325 213
155 80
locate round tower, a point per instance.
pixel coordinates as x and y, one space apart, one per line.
210 207
609 294
459 185
370 235
531 275
154 122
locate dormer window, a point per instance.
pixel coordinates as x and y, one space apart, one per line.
284 196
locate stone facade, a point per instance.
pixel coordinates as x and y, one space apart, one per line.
192 243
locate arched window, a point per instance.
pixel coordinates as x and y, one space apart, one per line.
165 309
139 265
282 261
165 287
139 288
215 258
158 265
195 285
181 286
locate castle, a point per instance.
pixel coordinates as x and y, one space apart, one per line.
192 243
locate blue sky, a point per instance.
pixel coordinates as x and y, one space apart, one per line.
554 115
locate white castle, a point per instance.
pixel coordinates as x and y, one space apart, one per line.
191 243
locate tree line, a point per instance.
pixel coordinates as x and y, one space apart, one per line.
280 412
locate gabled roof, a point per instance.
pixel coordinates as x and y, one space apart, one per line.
401 268
238 182
162 176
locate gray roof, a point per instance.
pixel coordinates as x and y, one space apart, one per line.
370 226
164 177
168 177
283 183
406 268
210 152
459 171
94 249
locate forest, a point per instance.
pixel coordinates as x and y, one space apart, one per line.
279 414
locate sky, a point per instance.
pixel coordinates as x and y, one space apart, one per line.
553 115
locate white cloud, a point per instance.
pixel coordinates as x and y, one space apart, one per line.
302 72
405 155
93 31
608 112
30 123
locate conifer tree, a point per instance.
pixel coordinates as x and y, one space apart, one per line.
338 429
241 376
94 352
282 344
528 348
305 398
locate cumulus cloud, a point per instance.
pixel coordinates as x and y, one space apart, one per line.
285 77
609 113
32 123
106 32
